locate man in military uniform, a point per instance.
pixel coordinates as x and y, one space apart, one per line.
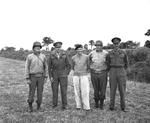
98 68
59 67
117 63
36 71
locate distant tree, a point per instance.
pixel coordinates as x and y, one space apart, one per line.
47 41
129 45
147 44
10 49
147 33
91 42
86 46
2 50
21 49
52 48
108 46
123 45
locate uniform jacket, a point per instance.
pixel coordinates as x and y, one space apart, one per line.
117 59
35 65
58 66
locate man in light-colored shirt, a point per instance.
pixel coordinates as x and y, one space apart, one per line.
80 66
98 68
36 73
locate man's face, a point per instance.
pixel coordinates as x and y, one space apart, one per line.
57 48
116 44
99 47
79 51
37 49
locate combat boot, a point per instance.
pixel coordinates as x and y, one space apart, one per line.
38 106
30 107
96 104
101 104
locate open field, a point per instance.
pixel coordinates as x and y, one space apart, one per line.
14 93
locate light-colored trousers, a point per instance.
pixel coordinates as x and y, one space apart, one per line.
82 90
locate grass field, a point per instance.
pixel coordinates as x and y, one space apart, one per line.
14 93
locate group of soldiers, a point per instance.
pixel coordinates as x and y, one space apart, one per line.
95 67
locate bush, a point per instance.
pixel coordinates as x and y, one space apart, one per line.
139 63
19 55
141 54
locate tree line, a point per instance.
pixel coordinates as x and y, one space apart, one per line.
139 57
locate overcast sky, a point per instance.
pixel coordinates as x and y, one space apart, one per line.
72 21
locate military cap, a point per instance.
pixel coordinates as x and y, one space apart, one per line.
37 44
98 43
57 44
116 39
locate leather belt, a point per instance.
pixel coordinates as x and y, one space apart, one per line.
37 74
95 71
113 66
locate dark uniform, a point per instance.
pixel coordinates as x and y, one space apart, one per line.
117 63
59 67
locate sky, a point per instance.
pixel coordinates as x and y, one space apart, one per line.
72 21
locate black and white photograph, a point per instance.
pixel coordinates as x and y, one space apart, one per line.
74 61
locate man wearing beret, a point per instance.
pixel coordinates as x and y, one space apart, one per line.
98 68
117 63
36 71
59 67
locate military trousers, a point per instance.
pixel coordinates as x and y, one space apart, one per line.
63 82
36 83
117 78
99 82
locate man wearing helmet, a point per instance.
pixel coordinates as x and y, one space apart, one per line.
98 68
36 71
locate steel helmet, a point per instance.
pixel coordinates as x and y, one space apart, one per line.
37 44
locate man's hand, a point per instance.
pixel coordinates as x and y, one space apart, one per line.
71 73
128 70
51 79
28 81
89 77
45 80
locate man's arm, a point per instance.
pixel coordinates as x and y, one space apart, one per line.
126 61
89 59
45 67
27 68
50 66
108 61
68 63
88 64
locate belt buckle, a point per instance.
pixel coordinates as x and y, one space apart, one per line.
97 71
